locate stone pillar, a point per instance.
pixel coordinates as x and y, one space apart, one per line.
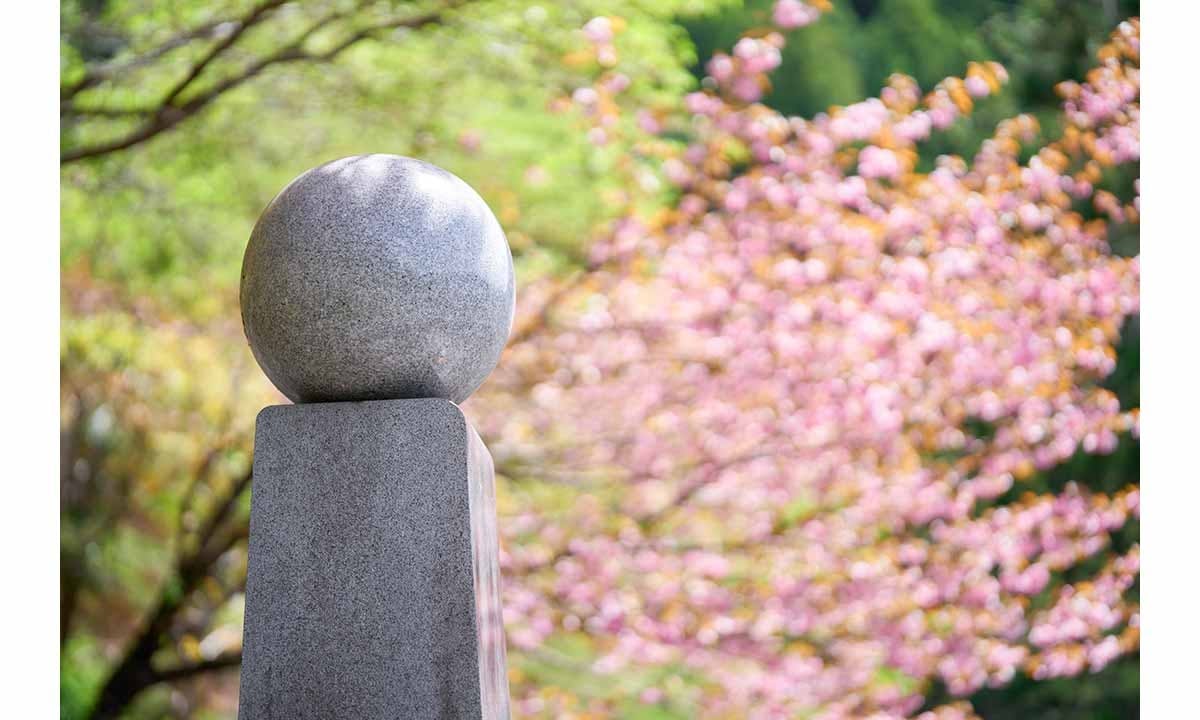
377 292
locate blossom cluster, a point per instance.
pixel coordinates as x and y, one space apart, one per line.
793 409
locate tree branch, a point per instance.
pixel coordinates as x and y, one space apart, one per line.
135 672
253 18
172 112
97 74
72 110
181 672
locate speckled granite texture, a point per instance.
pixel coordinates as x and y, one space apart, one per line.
373 583
377 277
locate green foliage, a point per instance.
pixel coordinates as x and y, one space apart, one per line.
158 390
852 51
470 95
820 65
1111 694
566 660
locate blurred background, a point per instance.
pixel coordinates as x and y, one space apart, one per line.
181 120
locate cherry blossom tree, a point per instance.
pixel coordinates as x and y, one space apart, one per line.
768 453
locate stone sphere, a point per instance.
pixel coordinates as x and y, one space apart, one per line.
377 277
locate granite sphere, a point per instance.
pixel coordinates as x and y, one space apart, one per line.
377 277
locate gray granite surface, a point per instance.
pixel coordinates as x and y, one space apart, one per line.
373 578
377 277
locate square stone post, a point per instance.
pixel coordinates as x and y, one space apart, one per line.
373 587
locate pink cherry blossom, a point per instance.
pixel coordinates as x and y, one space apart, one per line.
777 434
789 14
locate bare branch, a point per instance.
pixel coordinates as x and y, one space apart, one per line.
172 112
72 110
135 672
181 672
253 18
97 74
